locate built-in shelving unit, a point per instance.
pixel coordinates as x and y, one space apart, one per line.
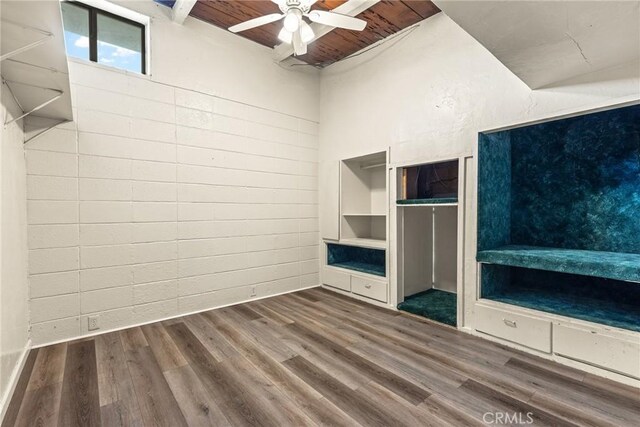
357 262
558 231
363 199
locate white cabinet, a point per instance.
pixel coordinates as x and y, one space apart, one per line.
368 287
357 283
591 346
336 278
523 330
596 348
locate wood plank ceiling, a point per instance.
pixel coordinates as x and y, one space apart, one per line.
383 19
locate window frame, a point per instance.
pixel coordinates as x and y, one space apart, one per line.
93 34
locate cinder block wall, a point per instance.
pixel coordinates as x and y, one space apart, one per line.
159 201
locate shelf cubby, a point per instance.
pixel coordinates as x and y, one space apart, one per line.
364 227
355 258
363 201
429 184
606 301
364 185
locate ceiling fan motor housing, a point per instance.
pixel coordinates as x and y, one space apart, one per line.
302 5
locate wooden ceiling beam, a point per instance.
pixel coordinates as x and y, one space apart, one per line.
351 8
181 10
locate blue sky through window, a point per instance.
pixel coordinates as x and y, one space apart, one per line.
108 54
77 45
119 57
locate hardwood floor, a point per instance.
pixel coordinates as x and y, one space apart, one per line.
309 358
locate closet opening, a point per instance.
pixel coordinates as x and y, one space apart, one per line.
428 213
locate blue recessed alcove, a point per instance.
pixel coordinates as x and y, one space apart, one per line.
364 260
559 216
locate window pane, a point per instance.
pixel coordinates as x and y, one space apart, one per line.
76 30
119 44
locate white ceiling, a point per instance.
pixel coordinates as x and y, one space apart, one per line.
545 42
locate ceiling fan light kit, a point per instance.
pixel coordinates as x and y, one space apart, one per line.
295 29
285 36
292 20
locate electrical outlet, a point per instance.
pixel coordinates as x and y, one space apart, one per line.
253 291
94 323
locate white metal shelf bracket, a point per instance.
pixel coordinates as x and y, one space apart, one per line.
58 95
46 130
47 35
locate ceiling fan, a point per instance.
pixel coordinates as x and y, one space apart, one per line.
295 29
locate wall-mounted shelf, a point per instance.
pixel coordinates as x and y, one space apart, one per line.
34 64
610 265
436 201
363 214
366 243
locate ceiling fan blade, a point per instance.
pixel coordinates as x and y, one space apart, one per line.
337 20
256 22
299 47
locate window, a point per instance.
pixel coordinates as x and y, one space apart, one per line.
99 36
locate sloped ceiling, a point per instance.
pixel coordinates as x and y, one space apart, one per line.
546 42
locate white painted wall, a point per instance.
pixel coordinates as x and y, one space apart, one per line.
208 59
14 308
430 91
166 195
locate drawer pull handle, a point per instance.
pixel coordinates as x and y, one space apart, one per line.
510 323
368 286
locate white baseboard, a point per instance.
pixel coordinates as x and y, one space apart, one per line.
13 381
134 325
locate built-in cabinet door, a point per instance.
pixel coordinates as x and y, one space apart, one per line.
621 355
329 198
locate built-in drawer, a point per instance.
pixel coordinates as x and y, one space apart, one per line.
370 288
595 348
336 278
524 330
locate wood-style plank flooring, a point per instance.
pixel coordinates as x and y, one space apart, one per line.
308 358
